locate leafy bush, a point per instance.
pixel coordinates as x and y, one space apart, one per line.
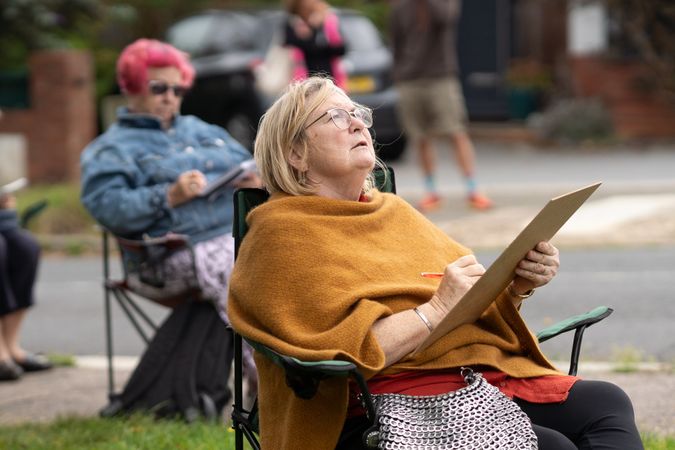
574 121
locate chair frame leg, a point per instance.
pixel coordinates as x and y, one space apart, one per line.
108 317
576 350
240 420
127 304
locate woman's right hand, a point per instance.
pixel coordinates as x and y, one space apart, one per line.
458 277
188 186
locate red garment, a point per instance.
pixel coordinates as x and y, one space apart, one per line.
546 389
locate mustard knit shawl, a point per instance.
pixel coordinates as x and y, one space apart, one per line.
312 276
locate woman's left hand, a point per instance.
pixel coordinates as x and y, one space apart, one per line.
537 268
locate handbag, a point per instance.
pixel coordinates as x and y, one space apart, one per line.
276 71
476 417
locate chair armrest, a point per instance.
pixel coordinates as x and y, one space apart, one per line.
574 322
143 258
303 377
169 241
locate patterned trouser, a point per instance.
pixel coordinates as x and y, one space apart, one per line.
213 262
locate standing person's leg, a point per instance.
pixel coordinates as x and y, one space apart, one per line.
427 158
596 415
452 121
466 160
415 117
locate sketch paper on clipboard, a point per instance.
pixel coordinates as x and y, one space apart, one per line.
495 279
242 170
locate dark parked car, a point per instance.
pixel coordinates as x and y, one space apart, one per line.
225 45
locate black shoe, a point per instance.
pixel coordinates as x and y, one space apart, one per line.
9 371
34 363
112 409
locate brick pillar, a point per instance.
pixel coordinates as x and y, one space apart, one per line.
63 113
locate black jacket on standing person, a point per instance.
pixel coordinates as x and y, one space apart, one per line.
318 52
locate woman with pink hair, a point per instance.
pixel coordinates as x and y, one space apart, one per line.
313 33
144 177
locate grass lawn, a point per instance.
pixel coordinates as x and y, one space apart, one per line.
142 432
136 433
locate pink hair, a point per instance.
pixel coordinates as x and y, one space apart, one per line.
137 57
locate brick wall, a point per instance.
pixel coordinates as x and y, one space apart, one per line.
61 119
637 112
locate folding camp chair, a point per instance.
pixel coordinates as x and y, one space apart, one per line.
142 278
304 376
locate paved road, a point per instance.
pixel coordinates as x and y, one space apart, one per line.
627 266
636 282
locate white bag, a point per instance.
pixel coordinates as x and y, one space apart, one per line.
275 72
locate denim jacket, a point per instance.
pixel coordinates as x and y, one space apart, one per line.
127 171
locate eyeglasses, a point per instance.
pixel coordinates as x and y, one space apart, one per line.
157 87
343 118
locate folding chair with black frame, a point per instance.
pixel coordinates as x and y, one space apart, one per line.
303 377
143 277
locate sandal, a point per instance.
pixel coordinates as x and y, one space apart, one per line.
34 363
9 371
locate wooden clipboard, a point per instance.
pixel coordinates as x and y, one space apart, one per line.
495 279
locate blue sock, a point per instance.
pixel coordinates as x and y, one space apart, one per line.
471 185
430 183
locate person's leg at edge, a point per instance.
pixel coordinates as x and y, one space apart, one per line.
24 251
465 157
427 158
11 326
8 308
596 415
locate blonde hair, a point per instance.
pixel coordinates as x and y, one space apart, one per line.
282 129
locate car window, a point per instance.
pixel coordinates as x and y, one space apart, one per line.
190 35
214 33
360 34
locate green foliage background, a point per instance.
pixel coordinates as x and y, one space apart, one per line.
105 26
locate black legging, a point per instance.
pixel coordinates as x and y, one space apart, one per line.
596 415
19 257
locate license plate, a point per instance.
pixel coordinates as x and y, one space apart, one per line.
360 84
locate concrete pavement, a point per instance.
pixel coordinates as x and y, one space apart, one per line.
635 206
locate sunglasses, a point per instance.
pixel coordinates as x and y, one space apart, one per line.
157 87
342 119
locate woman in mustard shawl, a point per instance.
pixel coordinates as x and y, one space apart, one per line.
330 269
